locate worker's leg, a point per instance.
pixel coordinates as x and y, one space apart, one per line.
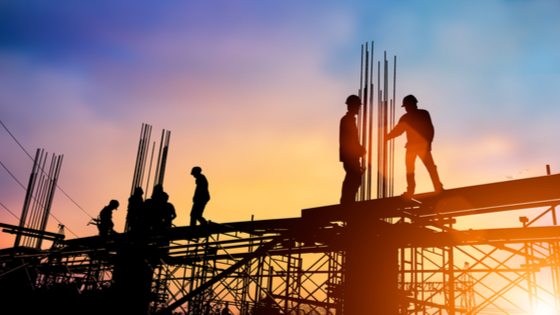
352 181
428 161
409 162
103 230
195 213
202 220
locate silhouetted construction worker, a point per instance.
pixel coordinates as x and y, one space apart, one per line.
200 198
419 136
351 150
105 224
168 212
136 210
155 208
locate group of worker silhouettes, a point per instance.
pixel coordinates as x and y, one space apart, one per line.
156 213
419 129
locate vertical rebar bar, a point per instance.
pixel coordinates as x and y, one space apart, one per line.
370 132
56 164
379 123
392 124
364 115
28 197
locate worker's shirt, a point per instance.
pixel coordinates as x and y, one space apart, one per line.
418 127
106 215
201 193
350 147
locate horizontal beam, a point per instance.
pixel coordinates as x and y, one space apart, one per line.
266 228
421 238
495 197
14 229
522 192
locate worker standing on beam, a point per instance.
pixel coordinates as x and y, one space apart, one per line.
105 224
351 150
419 135
200 198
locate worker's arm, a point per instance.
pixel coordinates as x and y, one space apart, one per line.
397 131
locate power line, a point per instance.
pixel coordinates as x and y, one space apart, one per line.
9 210
57 186
4 166
13 137
52 215
64 225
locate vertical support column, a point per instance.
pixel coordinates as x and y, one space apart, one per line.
372 267
555 270
528 249
450 281
288 276
132 280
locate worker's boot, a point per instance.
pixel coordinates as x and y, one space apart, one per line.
411 186
438 186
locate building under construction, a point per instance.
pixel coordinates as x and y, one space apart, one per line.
379 255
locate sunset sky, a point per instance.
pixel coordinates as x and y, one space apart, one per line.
253 91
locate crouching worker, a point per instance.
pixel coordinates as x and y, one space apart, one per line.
105 220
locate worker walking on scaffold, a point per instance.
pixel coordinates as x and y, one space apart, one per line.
200 198
351 151
419 135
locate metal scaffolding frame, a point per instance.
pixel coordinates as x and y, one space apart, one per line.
299 265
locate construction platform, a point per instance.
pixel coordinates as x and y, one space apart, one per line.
382 256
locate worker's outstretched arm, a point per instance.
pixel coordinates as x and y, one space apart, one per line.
397 131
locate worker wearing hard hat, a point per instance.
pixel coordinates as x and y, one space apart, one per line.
351 150
419 135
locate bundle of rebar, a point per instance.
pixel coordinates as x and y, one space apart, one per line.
140 168
38 199
385 122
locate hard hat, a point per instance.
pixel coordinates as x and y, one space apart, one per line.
353 100
409 99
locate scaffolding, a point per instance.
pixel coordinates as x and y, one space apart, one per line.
305 265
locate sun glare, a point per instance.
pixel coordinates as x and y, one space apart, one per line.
544 310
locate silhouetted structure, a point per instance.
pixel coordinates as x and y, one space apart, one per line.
142 167
388 256
200 198
419 135
375 118
38 199
105 224
351 151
